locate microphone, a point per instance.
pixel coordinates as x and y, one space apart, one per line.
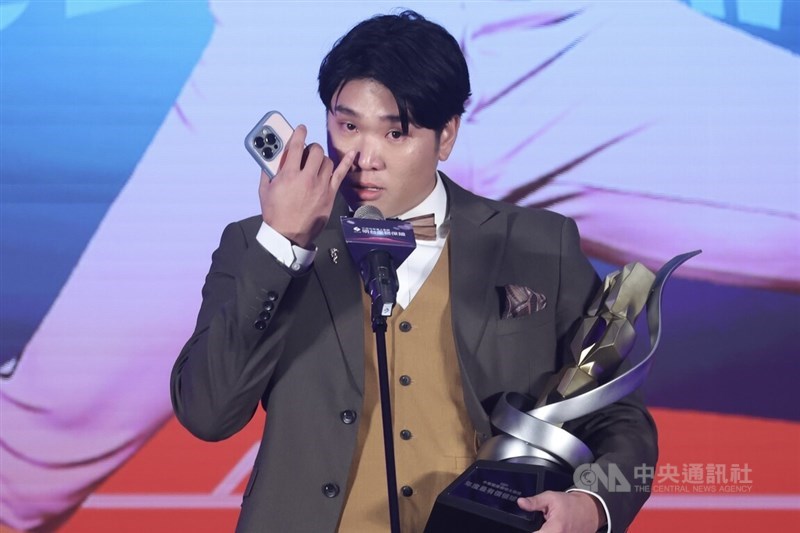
378 246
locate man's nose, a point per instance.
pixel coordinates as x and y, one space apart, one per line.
369 154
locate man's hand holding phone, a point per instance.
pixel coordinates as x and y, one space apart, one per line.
298 200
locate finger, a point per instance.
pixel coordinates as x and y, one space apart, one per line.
531 504
294 147
342 169
526 504
326 169
313 156
539 502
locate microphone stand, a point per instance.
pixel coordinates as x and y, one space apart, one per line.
379 328
382 288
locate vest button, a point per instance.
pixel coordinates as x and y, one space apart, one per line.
406 491
264 315
405 381
330 490
405 327
260 325
269 305
348 416
272 296
405 434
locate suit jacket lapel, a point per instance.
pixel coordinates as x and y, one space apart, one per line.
342 288
477 242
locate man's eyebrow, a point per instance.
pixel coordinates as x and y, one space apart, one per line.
344 110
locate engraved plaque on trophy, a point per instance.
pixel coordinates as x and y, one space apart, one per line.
484 498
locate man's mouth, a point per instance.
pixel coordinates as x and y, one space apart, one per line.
366 191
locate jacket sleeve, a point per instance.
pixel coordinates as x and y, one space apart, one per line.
225 367
622 434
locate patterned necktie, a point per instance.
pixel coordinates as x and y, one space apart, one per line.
424 227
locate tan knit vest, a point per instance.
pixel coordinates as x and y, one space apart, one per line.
434 438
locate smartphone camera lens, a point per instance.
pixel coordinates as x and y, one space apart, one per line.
268 153
271 139
258 142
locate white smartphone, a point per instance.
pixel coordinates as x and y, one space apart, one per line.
267 142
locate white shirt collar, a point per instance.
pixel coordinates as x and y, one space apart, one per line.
435 202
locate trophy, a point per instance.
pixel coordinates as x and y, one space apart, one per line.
530 452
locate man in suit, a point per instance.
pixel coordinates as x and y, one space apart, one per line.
284 320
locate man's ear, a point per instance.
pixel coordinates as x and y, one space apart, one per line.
447 137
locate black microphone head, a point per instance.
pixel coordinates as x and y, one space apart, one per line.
369 212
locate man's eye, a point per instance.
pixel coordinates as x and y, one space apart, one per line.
349 126
396 134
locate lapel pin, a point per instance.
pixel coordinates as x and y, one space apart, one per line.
334 255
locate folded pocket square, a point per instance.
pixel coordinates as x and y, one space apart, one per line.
522 301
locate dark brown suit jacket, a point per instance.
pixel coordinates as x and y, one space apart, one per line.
295 344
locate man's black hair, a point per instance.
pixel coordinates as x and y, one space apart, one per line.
417 60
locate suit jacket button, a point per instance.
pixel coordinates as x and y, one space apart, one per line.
405 327
405 381
405 434
330 490
406 491
348 416
272 296
260 324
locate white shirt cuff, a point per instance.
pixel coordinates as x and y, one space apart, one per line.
603 503
296 258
